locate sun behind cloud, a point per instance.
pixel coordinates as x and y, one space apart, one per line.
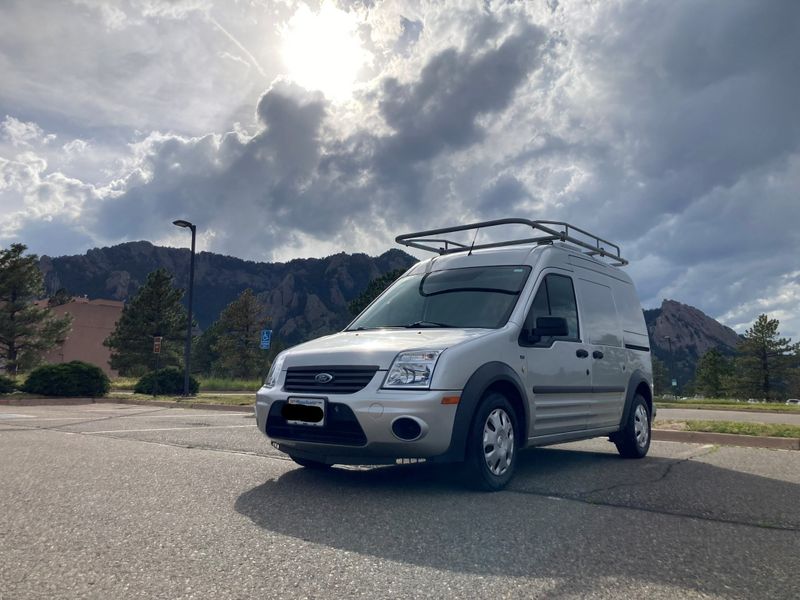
322 51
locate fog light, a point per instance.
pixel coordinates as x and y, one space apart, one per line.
407 429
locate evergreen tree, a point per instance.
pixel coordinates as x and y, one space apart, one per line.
763 360
661 382
204 354
238 344
374 289
712 369
155 310
27 331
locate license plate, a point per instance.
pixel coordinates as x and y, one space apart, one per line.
304 411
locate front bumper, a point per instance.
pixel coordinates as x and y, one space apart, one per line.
373 411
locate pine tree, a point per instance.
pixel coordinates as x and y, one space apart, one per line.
27 331
155 310
712 369
204 354
763 360
374 289
661 382
238 344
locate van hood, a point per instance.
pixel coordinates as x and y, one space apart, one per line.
374 347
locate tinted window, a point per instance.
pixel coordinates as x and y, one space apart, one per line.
472 297
555 298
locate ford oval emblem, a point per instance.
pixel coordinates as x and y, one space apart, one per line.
323 378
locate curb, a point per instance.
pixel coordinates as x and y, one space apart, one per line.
726 439
200 405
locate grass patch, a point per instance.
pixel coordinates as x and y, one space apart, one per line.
734 427
207 384
123 383
772 407
227 399
218 384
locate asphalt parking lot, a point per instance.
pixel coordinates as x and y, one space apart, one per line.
125 501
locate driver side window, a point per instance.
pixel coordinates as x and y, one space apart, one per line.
554 298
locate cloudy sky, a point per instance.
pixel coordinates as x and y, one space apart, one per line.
302 128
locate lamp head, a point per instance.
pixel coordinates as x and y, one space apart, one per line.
182 223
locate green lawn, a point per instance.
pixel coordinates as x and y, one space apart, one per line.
243 399
735 427
207 384
718 404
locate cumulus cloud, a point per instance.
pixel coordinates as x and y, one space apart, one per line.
669 127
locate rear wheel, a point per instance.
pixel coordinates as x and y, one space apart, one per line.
310 464
492 444
633 440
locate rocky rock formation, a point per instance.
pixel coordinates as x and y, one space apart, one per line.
691 334
304 297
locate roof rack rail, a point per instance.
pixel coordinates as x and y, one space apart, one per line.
549 231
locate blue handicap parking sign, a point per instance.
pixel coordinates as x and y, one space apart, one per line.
266 337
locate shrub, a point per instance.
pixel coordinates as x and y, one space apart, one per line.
7 385
170 381
71 379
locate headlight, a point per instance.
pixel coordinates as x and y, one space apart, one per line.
412 369
274 371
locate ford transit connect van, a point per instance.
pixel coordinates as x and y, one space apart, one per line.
472 355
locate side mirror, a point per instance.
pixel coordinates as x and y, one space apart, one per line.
551 327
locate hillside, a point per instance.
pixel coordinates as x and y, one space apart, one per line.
308 297
304 297
691 334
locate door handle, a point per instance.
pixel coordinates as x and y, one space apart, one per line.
597 354
581 353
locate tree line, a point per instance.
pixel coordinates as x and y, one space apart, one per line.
764 366
229 348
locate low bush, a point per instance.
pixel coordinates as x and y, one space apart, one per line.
70 379
170 381
7 385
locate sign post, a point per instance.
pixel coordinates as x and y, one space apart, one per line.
266 338
157 351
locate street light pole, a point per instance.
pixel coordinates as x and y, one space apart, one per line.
188 347
671 367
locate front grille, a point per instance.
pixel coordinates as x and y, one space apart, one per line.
341 427
346 380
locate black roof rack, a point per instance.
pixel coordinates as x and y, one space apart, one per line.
545 232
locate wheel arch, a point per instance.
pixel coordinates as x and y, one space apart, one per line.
637 384
493 376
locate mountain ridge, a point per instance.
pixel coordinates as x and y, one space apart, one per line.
309 297
304 297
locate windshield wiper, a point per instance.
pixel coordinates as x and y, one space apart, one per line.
426 324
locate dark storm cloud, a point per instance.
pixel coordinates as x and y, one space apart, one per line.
293 176
708 96
439 111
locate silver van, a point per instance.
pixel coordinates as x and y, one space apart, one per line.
472 355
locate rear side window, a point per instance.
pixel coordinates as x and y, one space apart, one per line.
555 298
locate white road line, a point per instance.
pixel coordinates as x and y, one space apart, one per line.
3 417
164 429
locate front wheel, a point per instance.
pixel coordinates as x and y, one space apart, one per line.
633 440
492 444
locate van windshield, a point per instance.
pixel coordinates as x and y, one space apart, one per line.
481 297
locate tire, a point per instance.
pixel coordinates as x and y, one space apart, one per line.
494 428
633 440
310 464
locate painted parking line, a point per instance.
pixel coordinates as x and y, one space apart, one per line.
167 429
6 416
